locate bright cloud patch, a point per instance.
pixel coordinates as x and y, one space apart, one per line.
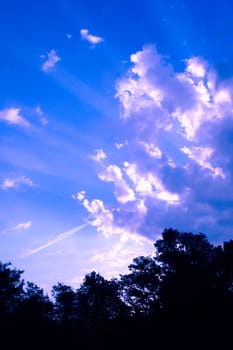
122 191
22 226
201 155
177 163
52 59
149 185
92 39
12 116
152 150
183 101
99 155
16 182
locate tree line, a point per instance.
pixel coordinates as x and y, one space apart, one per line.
181 296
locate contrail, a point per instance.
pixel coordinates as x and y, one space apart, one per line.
59 238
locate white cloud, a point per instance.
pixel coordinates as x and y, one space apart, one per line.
201 154
22 226
92 39
127 247
122 190
52 59
196 67
152 150
108 220
103 218
119 145
16 182
79 196
12 116
99 155
149 184
69 36
177 166
182 101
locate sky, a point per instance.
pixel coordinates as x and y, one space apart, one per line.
116 122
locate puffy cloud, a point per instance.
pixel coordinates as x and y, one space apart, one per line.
103 218
176 170
196 67
52 59
92 39
122 190
150 185
22 226
16 182
12 116
182 101
110 221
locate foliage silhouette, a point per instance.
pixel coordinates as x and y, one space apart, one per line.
181 296
140 287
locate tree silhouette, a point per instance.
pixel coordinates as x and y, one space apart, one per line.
180 297
98 301
140 287
11 288
34 305
64 306
185 261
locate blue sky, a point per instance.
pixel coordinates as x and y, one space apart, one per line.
116 121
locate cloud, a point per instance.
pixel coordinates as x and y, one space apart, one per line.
92 39
12 116
181 101
149 185
22 226
114 221
196 67
43 120
176 170
121 254
16 182
123 192
79 196
152 149
57 239
200 154
52 59
99 155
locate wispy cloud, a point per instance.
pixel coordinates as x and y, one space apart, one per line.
16 182
92 39
40 113
12 116
53 58
57 239
22 226
99 155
